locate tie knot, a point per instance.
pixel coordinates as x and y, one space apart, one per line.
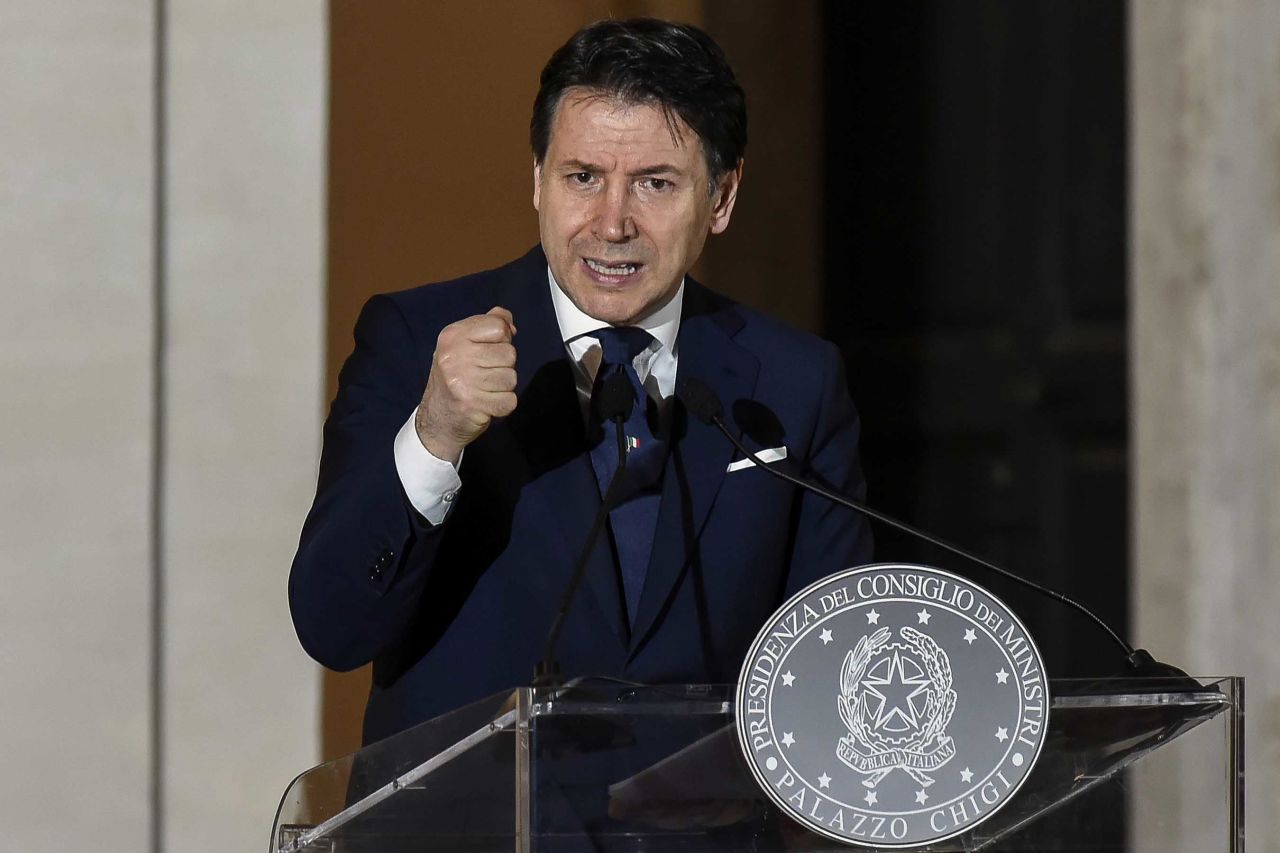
620 345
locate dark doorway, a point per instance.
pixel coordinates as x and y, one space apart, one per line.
975 279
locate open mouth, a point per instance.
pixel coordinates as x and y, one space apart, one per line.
612 273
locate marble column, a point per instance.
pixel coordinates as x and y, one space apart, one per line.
246 86
1205 278
161 310
75 379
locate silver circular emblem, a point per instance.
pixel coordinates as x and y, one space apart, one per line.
892 706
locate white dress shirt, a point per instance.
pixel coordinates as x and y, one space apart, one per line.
432 484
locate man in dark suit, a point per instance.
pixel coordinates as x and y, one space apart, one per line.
463 460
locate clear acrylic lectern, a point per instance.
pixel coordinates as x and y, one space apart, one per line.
600 765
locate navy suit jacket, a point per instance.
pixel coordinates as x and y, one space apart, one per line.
451 613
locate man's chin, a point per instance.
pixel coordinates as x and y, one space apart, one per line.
612 312
617 306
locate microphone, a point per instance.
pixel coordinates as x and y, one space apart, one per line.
612 402
703 404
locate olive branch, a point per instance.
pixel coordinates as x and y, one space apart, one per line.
852 708
941 703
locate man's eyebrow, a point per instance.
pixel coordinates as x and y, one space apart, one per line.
657 169
575 165
580 166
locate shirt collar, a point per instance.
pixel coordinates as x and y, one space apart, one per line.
662 324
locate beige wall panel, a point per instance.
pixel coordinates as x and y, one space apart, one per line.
771 255
75 377
246 107
1205 95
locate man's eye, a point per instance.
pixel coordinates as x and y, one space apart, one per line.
658 184
581 177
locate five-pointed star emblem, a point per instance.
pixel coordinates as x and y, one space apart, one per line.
824 781
1002 676
892 687
966 775
825 636
921 796
969 636
788 739
870 798
788 679
873 618
1002 734
923 616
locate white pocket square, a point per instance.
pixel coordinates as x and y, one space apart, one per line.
771 454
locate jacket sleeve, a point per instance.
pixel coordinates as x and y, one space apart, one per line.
830 537
365 553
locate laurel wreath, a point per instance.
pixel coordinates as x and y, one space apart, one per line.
940 701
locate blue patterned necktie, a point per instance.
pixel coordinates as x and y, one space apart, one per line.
633 519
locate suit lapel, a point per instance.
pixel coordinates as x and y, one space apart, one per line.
699 454
548 427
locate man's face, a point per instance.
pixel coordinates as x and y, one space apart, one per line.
623 208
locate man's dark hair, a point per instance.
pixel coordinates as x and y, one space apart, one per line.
675 67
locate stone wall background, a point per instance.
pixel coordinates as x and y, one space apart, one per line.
1205 290
161 224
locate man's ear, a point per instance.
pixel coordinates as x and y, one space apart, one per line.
723 201
537 184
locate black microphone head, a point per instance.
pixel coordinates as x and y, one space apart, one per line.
615 399
758 422
699 399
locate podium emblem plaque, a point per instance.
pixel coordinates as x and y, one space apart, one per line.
892 706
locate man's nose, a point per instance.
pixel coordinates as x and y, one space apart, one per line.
613 220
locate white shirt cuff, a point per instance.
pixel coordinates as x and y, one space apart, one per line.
430 483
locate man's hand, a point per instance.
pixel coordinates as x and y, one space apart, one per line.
472 381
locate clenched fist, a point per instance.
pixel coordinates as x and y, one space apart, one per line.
472 381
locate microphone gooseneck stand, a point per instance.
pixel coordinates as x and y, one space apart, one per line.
612 403
703 404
